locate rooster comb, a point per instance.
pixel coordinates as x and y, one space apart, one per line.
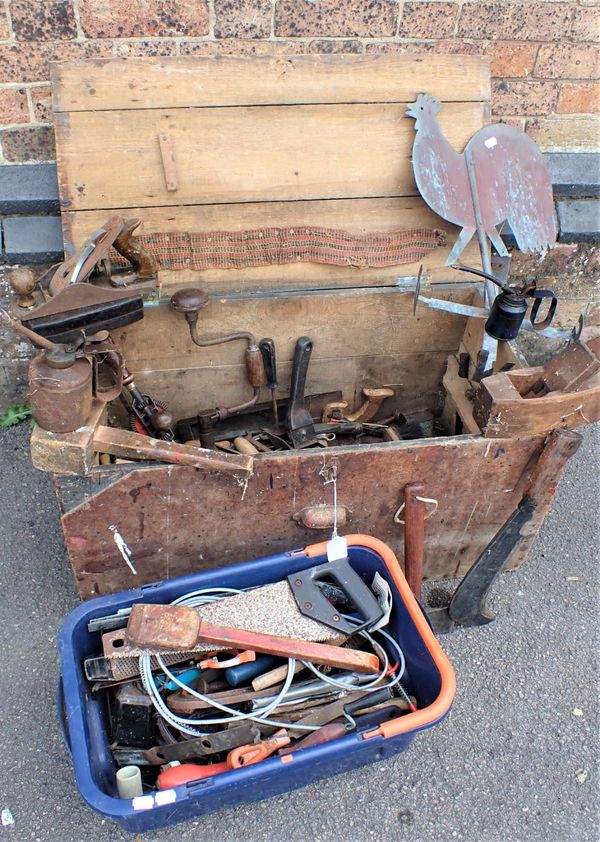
424 103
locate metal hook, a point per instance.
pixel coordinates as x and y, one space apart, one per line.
434 503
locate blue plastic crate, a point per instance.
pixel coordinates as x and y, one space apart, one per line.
83 715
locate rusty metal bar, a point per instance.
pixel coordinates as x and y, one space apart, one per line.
130 445
414 536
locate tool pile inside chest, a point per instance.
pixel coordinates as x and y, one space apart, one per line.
199 680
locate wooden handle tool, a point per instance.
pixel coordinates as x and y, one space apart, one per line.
177 627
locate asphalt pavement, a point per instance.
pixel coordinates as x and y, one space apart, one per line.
517 757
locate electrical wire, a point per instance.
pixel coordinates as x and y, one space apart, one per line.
186 725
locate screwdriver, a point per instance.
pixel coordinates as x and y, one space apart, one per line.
267 349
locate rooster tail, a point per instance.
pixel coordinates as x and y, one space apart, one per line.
534 224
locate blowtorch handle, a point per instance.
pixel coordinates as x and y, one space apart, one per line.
538 295
41 341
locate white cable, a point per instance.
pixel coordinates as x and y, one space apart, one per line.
258 715
192 599
375 682
200 597
396 645
185 725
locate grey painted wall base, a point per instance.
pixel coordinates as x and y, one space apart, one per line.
579 220
33 239
28 189
574 173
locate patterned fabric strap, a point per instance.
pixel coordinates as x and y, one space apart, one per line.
269 246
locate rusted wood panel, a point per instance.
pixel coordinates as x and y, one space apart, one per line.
543 492
359 216
244 154
130 445
267 80
178 519
67 453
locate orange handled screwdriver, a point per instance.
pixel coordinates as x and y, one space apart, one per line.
238 757
245 755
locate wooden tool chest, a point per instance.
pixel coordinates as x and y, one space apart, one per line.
233 144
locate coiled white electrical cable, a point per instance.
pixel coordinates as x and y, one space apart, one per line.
376 681
185 724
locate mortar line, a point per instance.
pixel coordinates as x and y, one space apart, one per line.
81 36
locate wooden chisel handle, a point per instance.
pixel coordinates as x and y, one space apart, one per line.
178 627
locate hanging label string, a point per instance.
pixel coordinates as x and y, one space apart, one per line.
337 547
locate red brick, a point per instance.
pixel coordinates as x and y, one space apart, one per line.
13 106
42 104
579 98
31 64
240 47
4 33
516 21
342 46
428 20
35 143
524 99
511 60
143 18
43 20
134 49
243 18
568 61
335 18
586 25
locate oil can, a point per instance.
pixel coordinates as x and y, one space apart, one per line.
60 384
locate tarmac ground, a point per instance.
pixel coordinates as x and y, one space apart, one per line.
516 758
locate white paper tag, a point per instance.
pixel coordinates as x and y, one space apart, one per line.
491 142
143 802
337 548
165 796
383 592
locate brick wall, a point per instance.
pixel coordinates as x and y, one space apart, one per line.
544 54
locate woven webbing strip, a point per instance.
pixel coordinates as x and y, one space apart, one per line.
269 246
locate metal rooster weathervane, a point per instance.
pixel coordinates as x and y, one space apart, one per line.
501 176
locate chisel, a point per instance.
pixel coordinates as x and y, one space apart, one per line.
267 349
